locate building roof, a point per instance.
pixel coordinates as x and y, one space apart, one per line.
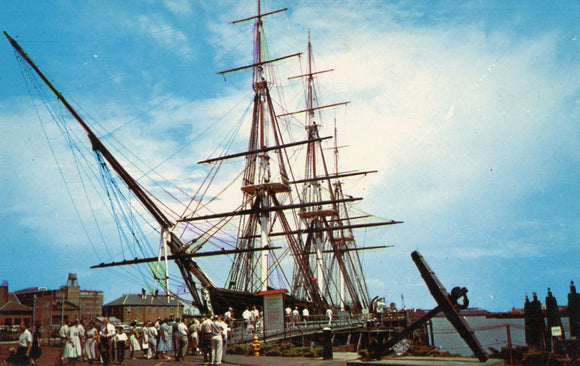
31 290
71 282
144 300
14 298
12 306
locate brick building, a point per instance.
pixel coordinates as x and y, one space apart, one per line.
12 312
67 302
144 307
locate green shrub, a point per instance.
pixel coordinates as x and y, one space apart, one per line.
282 349
516 354
239 349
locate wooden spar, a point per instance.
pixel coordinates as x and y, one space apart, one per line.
251 152
186 267
313 109
351 218
310 74
358 248
258 16
259 63
267 209
185 255
332 176
350 249
333 228
131 183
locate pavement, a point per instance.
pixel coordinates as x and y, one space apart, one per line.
426 361
50 357
339 359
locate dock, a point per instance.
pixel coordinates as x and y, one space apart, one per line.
426 361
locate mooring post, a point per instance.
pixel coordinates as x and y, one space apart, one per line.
327 344
509 342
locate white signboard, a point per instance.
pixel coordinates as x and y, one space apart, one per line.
273 312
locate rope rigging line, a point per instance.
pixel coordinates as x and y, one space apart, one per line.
208 181
107 182
115 198
51 147
202 133
56 112
161 203
122 150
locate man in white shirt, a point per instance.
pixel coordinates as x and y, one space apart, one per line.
194 330
217 340
205 338
255 318
107 333
152 338
225 333
24 345
295 316
182 340
229 315
288 313
247 316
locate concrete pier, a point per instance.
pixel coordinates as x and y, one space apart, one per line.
426 361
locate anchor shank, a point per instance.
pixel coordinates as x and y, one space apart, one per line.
448 305
411 328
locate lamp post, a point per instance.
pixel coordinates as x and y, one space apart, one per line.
62 311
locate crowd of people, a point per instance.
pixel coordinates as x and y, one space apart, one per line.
295 317
162 339
104 343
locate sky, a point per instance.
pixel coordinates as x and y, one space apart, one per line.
468 110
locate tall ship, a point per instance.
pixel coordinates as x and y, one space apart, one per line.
289 223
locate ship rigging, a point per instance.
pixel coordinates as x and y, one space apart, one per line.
294 231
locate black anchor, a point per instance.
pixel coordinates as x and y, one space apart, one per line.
448 304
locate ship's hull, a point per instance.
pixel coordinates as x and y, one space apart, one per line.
222 299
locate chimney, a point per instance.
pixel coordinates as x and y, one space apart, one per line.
72 280
3 292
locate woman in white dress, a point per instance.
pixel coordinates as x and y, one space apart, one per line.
144 338
72 348
163 343
134 344
91 349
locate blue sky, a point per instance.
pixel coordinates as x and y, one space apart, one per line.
468 110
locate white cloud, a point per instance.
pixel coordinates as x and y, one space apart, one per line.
462 123
179 7
164 33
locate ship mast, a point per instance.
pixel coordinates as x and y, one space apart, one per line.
327 258
266 188
329 245
312 189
